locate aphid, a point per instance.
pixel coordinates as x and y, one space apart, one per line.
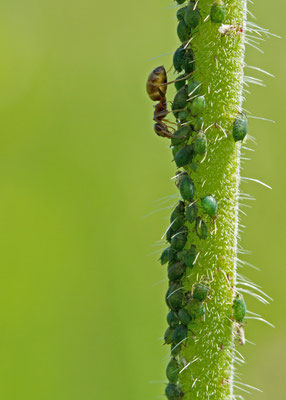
192 15
198 105
194 88
187 188
184 156
218 12
189 61
190 256
180 333
172 371
201 228
179 59
172 319
178 211
200 292
169 234
180 1
181 13
200 143
180 82
176 271
167 255
156 84
173 392
184 316
194 166
195 308
239 308
178 223
181 135
191 212
179 240
198 125
175 349
209 205
183 115
180 100
174 297
183 31
240 127
168 335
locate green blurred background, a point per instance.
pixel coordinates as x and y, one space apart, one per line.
81 315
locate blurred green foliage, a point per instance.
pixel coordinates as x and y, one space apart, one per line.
81 315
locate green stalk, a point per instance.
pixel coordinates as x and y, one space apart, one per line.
219 66
206 357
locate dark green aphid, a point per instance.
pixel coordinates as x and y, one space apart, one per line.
184 156
198 105
200 292
187 188
201 229
168 335
167 255
180 100
198 125
194 88
183 116
179 240
172 319
179 59
192 17
174 297
180 82
194 166
209 205
240 127
180 334
181 135
184 316
178 223
176 271
181 255
169 234
173 392
195 308
239 308
218 12
180 1
175 349
181 13
183 31
190 256
189 61
178 211
172 371
200 143
191 212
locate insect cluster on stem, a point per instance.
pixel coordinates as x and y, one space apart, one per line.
192 215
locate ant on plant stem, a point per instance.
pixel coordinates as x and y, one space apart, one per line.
156 89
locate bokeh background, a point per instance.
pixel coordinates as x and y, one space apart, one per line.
82 297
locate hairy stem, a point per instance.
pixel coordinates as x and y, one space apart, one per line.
219 66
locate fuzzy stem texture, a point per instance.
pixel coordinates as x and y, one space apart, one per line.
219 66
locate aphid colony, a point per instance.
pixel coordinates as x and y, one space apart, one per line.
189 145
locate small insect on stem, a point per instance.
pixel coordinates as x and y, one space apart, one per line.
156 89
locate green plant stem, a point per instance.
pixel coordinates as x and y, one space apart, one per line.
219 66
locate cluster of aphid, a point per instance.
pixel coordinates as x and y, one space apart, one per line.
189 145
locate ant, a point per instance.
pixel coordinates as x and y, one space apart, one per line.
156 89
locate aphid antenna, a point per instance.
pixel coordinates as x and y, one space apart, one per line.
160 209
159 282
161 55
